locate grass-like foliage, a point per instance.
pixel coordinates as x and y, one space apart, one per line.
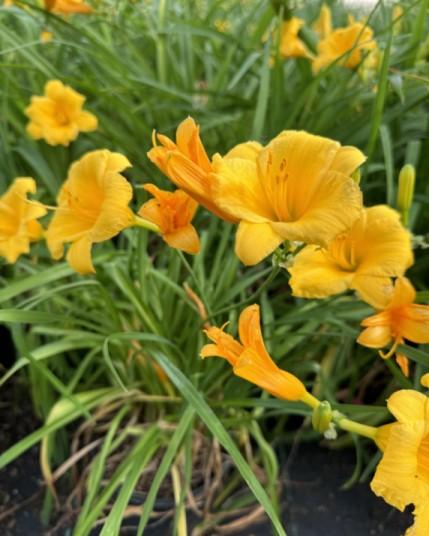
129 412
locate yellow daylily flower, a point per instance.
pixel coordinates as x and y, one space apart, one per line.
92 207
67 7
186 164
356 39
57 116
424 380
402 476
250 359
291 46
401 319
18 219
376 248
323 25
172 212
298 187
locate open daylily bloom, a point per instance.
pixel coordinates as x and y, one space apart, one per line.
186 163
92 207
402 476
351 42
250 359
400 319
291 46
323 25
57 117
67 7
298 187
376 248
172 212
18 219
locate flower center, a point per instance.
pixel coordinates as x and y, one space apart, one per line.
61 116
423 460
342 251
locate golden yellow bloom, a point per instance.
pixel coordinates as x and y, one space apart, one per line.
402 476
57 117
364 259
172 212
323 25
92 207
18 219
250 359
356 39
67 7
400 319
186 164
291 46
298 187
424 380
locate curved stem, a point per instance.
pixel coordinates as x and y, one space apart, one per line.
145 224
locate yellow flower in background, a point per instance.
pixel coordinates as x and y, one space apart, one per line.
400 319
92 207
172 212
250 359
67 7
46 36
352 42
323 25
291 46
364 259
402 476
424 380
298 187
186 164
57 117
18 219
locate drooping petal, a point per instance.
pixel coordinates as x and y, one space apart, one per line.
185 239
375 337
315 275
255 241
79 256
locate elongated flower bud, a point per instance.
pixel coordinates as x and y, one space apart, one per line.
407 179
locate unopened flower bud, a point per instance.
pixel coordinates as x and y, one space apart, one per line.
407 179
322 417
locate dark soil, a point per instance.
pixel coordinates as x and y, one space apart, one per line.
314 503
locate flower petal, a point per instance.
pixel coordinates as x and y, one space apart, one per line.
185 239
246 151
413 323
372 289
79 256
408 405
238 191
375 337
255 241
249 328
87 122
315 275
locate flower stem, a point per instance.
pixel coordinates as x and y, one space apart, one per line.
356 427
145 224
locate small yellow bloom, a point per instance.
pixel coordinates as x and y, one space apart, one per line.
364 259
424 380
186 164
92 207
355 39
250 359
298 187
67 7
402 476
323 25
172 212
18 219
291 46
400 319
8 3
46 36
57 117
